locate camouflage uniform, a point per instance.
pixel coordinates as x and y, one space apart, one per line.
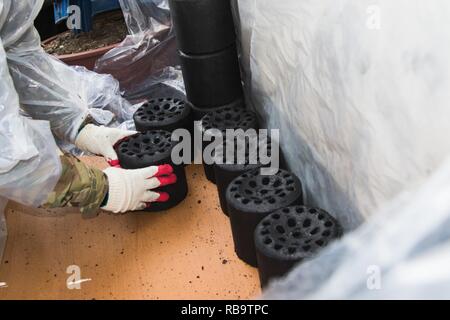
79 186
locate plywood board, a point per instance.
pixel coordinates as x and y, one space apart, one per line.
184 253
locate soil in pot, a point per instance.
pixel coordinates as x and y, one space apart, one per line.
108 29
253 196
290 235
154 148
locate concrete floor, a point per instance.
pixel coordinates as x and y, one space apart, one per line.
184 253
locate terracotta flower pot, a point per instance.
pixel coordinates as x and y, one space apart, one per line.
86 58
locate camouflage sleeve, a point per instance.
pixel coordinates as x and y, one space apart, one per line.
79 186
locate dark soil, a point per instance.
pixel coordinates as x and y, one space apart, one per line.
109 28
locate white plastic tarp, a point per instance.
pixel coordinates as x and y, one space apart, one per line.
362 104
359 90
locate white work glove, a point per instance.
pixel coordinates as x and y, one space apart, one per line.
101 141
130 190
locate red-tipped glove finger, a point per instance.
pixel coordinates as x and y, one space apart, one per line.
156 171
156 182
167 180
157 197
114 163
164 170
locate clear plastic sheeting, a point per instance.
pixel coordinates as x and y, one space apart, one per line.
403 252
146 16
144 58
359 89
50 90
29 164
169 82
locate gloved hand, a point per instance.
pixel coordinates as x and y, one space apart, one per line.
101 141
130 190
